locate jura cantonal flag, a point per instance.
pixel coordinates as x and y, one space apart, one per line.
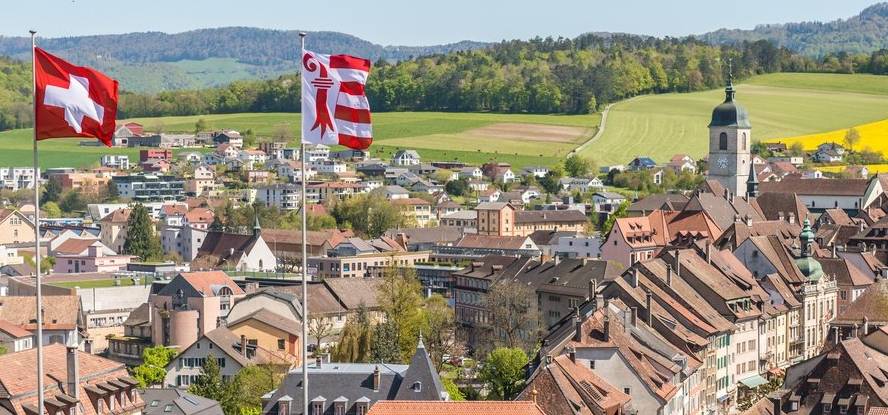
335 109
72 101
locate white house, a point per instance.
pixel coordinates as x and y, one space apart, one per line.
115 161
316 152
537 171
405 158
17 178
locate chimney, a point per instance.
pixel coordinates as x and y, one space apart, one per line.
708 252
668 275
834 249
572 353
775 404
557 259
855 330
791 217
251 287
607 327
578 325
748 220
593 289
634 281
727 194
73 368
319 361
678 263
780 216
647 304
736 218
865 326
243 345
376 379
150 314
634 318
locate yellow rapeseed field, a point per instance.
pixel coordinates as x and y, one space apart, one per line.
871 168
873 136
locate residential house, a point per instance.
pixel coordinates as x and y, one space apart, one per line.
62 315
15 338
672 202
233 353
606 203
536 171
155 154
113 228
405 158
166 401
17 178
642 163
829 153
80 383
115 161
463 219
316 152
15 227
821 194
87 255
681 163
415 209
435 407
563 386
321 192
230 137
283 196
357 386
498 172
362 265
236 252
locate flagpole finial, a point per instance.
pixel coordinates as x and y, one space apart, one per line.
303 34
32 32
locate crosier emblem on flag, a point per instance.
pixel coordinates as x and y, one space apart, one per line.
335 109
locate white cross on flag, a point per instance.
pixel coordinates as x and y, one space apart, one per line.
335 109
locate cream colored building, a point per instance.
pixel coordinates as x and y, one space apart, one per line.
15 227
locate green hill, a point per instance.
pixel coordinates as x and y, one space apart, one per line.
475 138
779 105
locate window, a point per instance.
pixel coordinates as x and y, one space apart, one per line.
592 364
281 344
723 141
627 391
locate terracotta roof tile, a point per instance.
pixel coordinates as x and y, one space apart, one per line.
455 408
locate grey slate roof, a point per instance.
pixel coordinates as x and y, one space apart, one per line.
354 383
175 401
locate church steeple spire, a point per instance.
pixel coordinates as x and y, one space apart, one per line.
752 182
729 87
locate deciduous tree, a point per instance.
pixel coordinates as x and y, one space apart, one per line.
503 372
152 371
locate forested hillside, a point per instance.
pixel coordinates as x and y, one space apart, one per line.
154 61
15 94
864 33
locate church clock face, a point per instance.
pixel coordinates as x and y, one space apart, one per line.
722 162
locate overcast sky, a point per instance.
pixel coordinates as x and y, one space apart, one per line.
415 22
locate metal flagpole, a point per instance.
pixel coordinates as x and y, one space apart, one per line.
37 231
304 256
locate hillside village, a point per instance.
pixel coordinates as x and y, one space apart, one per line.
747 282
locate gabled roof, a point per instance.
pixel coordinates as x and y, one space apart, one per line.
75 246
817 187
221 247
118 216
355 292
774 205
13 331
271 319
60 312
492 242
230 344
872 305
845 273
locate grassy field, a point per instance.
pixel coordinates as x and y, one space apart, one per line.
92 283
663 125
472 138
437 136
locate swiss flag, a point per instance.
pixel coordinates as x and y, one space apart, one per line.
73 101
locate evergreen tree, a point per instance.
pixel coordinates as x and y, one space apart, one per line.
210 385
385 347
140 238
51 192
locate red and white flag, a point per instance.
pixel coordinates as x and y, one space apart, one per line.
72 101
335 109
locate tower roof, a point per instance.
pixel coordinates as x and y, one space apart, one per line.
730 113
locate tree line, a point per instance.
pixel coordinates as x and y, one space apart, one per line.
535 76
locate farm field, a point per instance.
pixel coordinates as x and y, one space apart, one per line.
873 136
871 168
660 126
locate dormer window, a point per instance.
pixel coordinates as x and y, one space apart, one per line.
417 386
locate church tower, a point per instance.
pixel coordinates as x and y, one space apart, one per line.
729 142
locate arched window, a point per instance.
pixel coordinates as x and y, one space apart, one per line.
723 141
260 265
745 143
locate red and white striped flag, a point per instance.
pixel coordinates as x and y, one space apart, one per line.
334 107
